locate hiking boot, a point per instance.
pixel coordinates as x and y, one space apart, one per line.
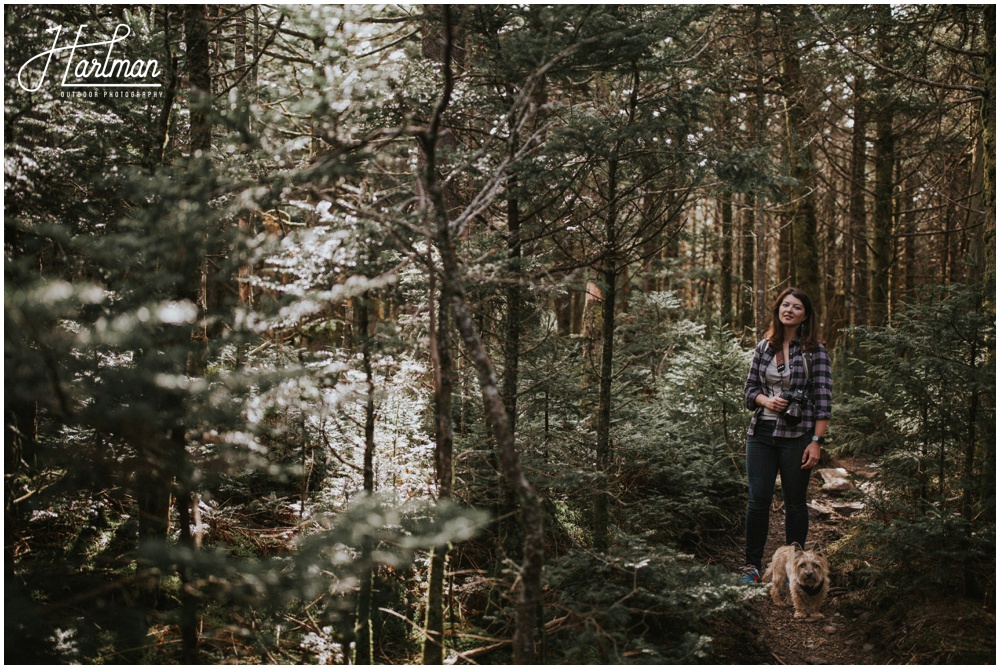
749 575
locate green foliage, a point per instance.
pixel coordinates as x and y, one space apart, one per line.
638 604
930 378
918 553
750 171
683 471
929 419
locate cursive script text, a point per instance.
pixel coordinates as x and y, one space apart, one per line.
113 69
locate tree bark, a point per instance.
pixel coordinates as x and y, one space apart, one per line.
975 218
160 138
363 626
885 159
196 35
883 223
908 228
189 603
856 285
759 224
508 528
514 298
602 521
609 276
989 141
747 274
833 303
443 394
804 247
726 261
438 44
533 557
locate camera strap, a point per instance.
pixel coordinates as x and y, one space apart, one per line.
807 357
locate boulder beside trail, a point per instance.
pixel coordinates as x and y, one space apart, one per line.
835 479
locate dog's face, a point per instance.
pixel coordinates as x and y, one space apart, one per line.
810 566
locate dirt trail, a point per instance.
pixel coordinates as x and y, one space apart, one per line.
840 637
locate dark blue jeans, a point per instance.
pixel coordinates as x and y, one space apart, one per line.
767 456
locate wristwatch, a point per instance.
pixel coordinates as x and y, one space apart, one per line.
819 440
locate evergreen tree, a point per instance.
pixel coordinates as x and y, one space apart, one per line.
929 421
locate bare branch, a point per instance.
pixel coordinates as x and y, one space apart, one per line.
893 71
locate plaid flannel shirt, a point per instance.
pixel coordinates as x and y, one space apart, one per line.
818 386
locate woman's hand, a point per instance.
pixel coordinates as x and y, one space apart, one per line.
810 458
775 404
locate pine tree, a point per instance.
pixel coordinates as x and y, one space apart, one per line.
926 418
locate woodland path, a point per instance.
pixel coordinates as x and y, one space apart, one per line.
841 637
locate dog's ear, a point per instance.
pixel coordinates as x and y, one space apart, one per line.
797 546
819 550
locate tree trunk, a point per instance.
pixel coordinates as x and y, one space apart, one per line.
989 141
196 35
515 296
760 276
439 44
443 392
726 262
885 159
857 288
363 626
972 589
199 70
609 275
747 274
975 221
602 521
533 551
759 227
833 306
786 275
189 603
883 223
509 531
908 228
160 138
804 246
153 483
533 556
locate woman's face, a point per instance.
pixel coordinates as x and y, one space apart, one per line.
791 311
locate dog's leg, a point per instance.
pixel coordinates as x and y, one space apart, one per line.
801 607
779 585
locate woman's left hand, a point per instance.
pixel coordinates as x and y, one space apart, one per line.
811 456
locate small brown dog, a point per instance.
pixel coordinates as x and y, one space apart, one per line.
803 575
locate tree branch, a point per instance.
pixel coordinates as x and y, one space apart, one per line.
885 68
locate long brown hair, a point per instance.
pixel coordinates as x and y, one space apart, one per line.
809 328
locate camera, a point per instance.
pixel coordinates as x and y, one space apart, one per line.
796 402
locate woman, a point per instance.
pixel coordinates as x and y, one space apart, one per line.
786 432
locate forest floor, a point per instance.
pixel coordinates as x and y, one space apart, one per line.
841 636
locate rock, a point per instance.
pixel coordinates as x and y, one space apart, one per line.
835 479
848 508
819 510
